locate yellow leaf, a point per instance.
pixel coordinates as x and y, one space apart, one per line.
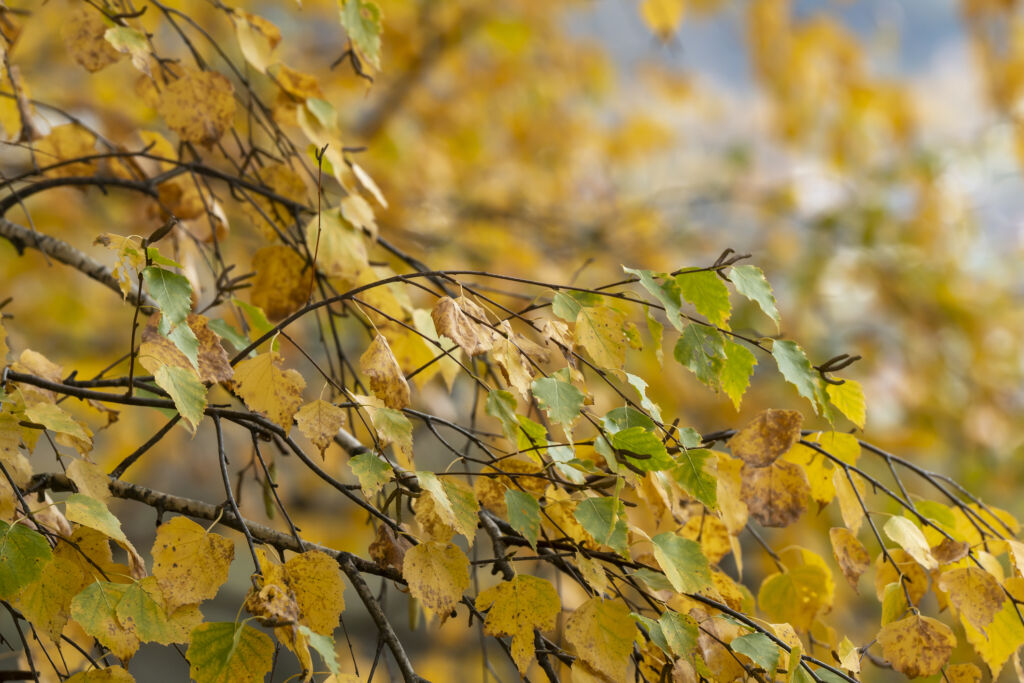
199 106
268 216
64 143
850 554
795 596
111 674
319 421
315 578
963 673
82 31
457 320
818 469
911 539
917 646
386 378
299 85
849 398
776 495
516 608
663 17
602 633
268 389
18 466
712 535
1004 635
730 501
189 563
90 479
975 593
359 213
849 504
257 39
283 281
437 574
767 437
915 577
340 247
601 331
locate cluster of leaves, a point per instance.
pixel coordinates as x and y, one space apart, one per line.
568 473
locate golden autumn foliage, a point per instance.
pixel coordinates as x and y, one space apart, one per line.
401 340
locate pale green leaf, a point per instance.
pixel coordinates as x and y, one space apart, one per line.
523 514
751 283
185 389
561 400
683 562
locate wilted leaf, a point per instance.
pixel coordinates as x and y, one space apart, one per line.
975 594
452 318
600 331
386 378
765 438
199 106
776 495
852 557
257 39
917 646
82 32
320 421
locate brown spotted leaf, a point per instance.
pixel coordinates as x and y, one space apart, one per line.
282 283
268 389
457 320
319 421
975 593
437 574
776 495
190 563
199 106
850 554
917 646
765 438
386 378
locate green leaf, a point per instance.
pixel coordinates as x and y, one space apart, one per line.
455 505
361 20
524 514
708 294
684 564
531 437
565 307
761 649
641 387
226 652
691 474
561 400
625 417
736 371
324 645
23 554
184 338
142 610
153 253
604 519
371 471
667 294
751 283
653 630
656 581
172 293
680 633
656 330
795 367
92 513
227 331
701 349
95 609
185 389
502 405
257 320
642 449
